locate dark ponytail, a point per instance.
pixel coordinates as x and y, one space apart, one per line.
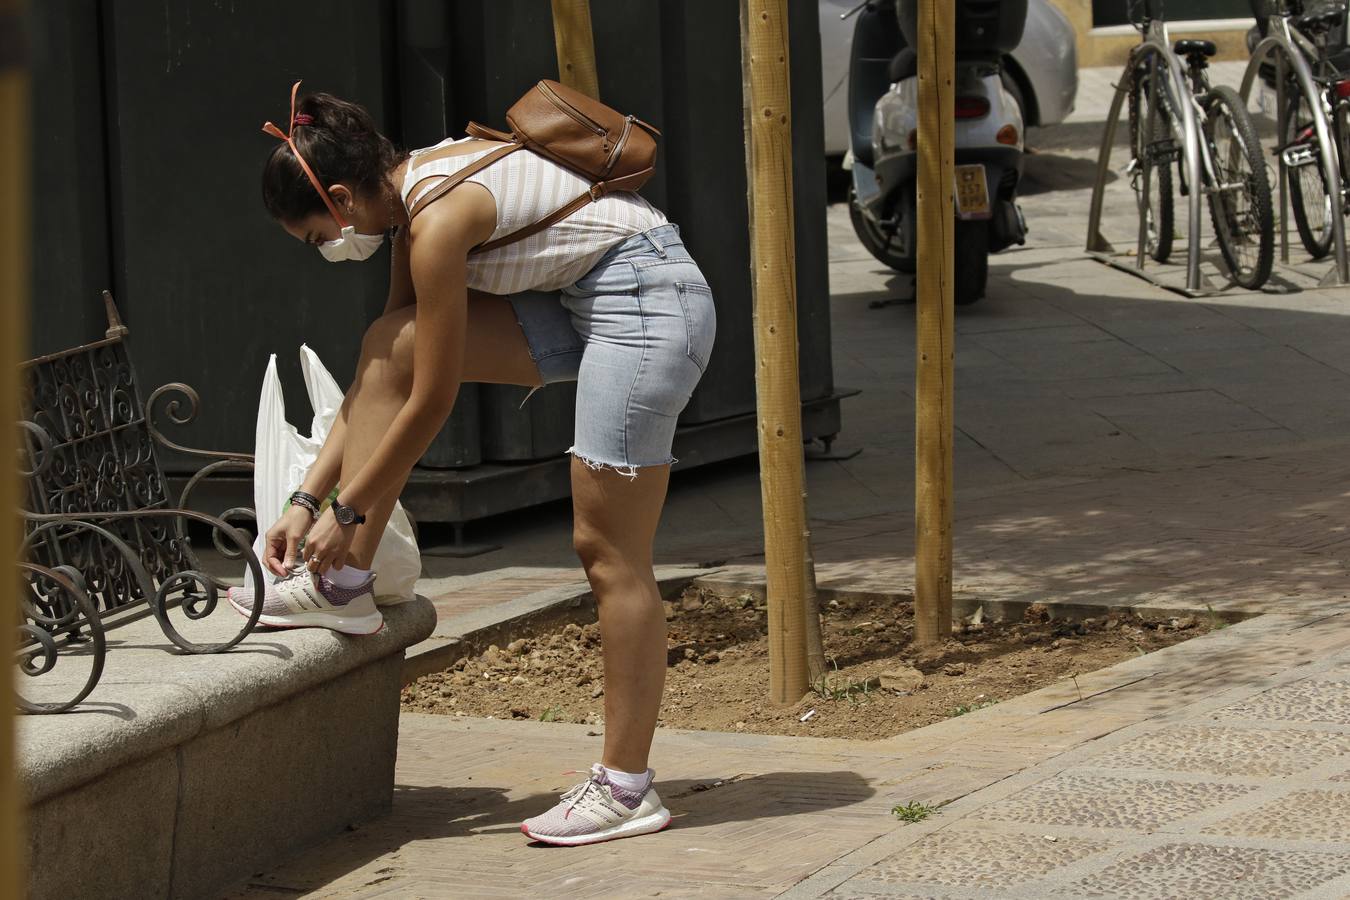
340 143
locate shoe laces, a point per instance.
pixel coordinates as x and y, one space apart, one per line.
582 792
298 568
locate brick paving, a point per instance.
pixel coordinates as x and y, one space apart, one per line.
1245 536
1220 761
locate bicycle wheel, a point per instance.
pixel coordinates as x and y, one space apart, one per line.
1340 133
1153 148
1239 202
1308 194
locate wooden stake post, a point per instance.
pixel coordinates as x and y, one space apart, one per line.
576 46
933 408
13 326
764 59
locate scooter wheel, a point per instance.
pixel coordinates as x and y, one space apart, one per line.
888 249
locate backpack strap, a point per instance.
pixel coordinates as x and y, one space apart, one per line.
453 181
598 190
547 221
484 133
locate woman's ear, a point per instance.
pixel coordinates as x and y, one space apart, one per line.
342 198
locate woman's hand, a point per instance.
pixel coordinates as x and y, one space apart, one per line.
328 543
283 537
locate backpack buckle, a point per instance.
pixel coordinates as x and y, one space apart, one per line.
597 191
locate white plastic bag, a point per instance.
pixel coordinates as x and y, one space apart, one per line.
282 456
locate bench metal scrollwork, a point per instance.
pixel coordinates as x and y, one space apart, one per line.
103 545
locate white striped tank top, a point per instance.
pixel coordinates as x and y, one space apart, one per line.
526 188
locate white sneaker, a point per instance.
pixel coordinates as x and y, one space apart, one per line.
300 600
596 810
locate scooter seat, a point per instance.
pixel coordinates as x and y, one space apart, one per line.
904 64
1187 47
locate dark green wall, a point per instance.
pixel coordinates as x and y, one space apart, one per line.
148 153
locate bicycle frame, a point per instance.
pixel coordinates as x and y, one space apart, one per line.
1288 45
1193 88
1185 126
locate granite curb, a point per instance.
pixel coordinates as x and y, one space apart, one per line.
153 697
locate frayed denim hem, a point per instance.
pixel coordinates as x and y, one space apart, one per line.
629 472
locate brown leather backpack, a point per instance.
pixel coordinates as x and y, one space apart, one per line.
613 151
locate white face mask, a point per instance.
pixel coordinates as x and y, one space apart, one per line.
351 246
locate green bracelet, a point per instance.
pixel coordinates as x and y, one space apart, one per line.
327 502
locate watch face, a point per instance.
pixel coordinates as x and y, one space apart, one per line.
345 514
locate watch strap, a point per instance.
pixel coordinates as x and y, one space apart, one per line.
357 518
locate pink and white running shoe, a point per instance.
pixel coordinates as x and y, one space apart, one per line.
301 600
596 811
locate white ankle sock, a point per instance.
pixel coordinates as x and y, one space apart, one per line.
348 576
628 781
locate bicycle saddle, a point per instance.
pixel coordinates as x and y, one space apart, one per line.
1325 20
1189 47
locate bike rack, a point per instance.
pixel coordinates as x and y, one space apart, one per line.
1156 42
1280 41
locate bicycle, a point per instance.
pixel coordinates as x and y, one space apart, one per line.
1299 151
1233 173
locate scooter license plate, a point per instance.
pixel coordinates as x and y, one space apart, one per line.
972 192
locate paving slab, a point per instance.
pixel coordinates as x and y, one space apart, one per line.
1041 796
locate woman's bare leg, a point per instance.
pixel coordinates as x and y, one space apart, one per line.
495 352
615 526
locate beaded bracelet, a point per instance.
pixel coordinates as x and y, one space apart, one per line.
308 501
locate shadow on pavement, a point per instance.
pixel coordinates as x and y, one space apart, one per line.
1046 172
1201 435
693 803
434 813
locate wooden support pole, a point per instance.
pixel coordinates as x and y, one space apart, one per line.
773 276
933 406
14 186
576 46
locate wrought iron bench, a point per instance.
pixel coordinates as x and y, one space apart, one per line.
164 754
103 546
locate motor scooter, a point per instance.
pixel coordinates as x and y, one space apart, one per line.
884 121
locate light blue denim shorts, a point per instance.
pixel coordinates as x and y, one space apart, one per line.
635 333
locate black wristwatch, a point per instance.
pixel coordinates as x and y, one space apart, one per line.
345 515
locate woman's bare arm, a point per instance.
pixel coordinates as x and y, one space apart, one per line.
323 476
401 292
439 245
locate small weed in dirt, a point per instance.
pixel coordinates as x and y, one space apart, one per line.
831 686
552 714
913 811
1215 622
971 707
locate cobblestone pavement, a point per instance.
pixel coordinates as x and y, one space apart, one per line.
1116 444
1218 768
1241 793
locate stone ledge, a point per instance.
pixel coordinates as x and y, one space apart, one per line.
153 697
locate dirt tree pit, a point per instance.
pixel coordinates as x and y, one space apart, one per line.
877 684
